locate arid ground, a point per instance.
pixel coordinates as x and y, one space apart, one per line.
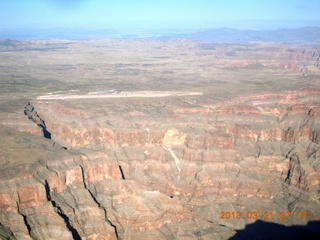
150 139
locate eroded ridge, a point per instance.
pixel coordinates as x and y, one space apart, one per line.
186 162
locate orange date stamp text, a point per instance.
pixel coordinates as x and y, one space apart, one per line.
263 215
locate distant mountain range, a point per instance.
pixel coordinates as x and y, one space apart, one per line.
219 35
299 35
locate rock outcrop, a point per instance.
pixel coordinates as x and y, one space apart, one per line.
244 154
171 172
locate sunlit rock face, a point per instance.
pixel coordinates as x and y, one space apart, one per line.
157 139
173 176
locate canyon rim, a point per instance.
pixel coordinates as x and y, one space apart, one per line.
159 139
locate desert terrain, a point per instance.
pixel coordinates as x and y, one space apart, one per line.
153 139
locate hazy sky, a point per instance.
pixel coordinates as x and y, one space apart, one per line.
160 13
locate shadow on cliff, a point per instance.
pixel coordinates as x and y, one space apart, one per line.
34 116
265 230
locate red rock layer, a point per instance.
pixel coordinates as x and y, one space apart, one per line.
173 176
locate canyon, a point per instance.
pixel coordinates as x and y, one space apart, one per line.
199 141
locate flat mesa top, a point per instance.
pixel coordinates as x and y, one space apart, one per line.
117 94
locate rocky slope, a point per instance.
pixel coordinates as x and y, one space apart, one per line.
161 169
243 155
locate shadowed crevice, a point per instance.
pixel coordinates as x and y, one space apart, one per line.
65 218
122 174
46 133
34 116
26 223
60 212
98 203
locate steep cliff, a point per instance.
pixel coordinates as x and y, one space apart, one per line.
166 169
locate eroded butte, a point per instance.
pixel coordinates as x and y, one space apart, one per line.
202 160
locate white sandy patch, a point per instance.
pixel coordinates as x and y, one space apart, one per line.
138 94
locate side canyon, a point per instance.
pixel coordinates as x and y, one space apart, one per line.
240 146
